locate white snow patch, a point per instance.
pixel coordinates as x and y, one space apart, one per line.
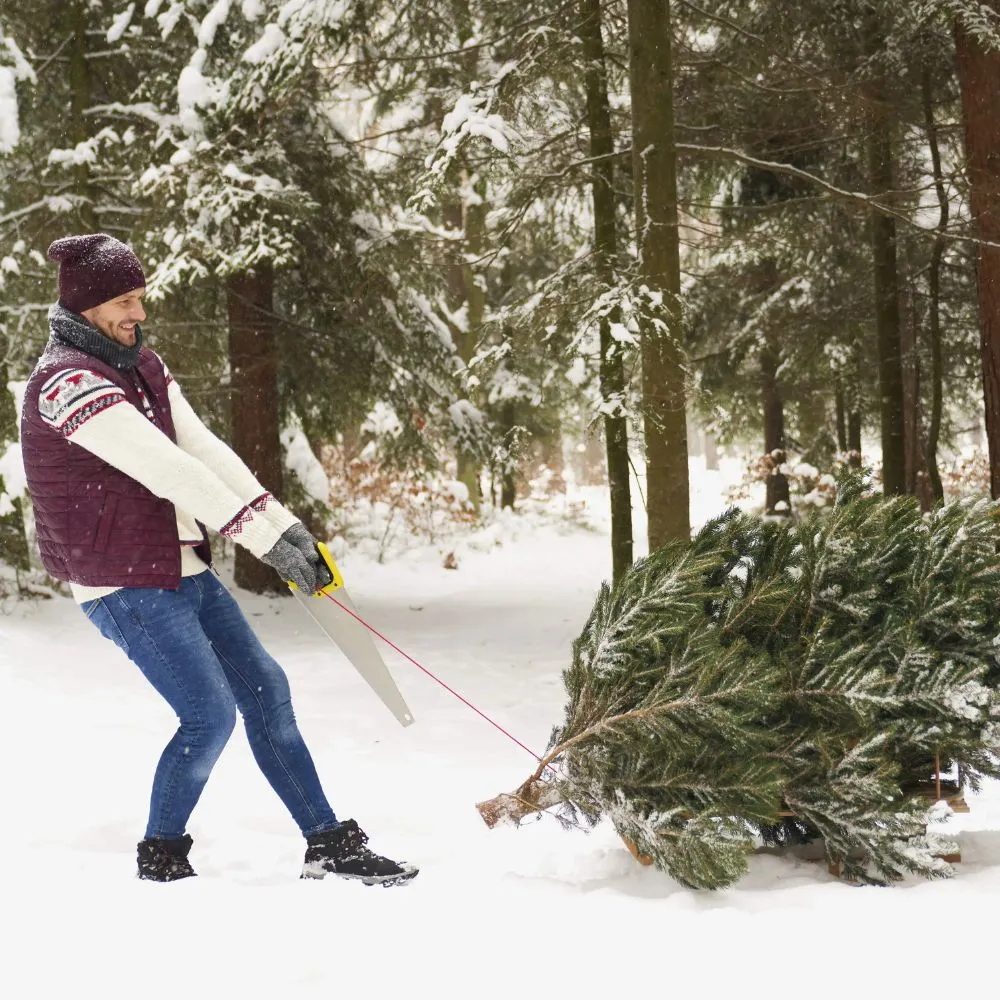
14 481
468 117
10 126
214 20
193 90
11 465
301 460
382 421
82 152
168 20
268 43
576 374
464 414
120 24
621 334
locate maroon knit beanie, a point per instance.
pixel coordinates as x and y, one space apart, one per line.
94 269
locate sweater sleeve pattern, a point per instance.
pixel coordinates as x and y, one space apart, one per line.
125 439
197 440
73 396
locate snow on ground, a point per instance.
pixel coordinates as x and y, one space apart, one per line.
502 913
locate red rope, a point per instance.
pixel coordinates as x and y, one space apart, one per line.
419 666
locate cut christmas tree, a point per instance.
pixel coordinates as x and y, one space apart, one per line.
779 683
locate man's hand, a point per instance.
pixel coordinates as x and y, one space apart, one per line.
300 537
290 562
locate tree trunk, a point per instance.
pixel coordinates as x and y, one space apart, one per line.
508 479
711 453
774 434
887 318
475 298
979 76
841 418
253 362
918 480
80 99
551 456
464 280
854 438
934 296
655 175
912 435
612 371
462 290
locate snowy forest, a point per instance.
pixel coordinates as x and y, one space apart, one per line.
638 361
432 258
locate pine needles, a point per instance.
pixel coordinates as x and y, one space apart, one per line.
782 682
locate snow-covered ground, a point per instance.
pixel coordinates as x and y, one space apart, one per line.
534 912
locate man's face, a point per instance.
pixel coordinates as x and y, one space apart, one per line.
117 318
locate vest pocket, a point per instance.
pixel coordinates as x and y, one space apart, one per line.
106 522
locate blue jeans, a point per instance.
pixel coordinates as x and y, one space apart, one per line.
196 648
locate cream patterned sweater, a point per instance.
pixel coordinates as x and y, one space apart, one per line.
200 475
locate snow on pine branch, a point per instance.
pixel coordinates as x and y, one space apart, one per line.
470 119
120 25
213 20
977 19
14 69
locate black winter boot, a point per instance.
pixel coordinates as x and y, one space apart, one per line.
163 860
341 851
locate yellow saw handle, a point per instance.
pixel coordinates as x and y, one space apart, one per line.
336 580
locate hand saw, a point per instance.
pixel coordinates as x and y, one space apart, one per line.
336 617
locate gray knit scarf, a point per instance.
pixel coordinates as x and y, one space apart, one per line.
74 331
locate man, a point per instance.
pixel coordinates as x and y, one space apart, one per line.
122 476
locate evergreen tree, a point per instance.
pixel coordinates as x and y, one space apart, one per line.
785 681
774 122
258 193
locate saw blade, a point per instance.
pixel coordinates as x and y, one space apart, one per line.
357 644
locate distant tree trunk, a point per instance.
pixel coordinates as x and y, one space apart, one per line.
979 76
80 99
774 433
915 466
464 279
612 371
934 295
854 438
253 362
887 318
463 290
654 157
840 404
911 390
591 461
508 479
551 456
475 297
711 453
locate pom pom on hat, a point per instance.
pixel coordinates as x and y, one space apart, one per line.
94 269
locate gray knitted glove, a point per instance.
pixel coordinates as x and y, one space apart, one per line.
291 564
301 538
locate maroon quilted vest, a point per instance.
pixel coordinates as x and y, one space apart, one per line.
97 526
